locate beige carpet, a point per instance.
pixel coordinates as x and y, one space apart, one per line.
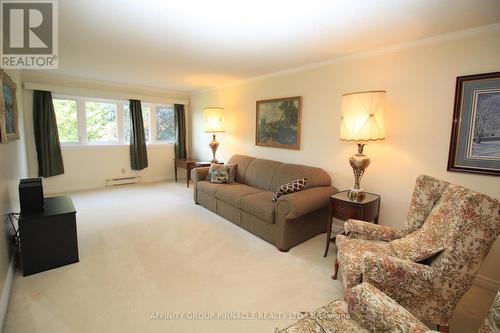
148 249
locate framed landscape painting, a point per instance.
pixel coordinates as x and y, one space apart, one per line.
278 123
8 109
475 136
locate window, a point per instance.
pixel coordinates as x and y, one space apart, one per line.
84 120
101 122
66 118
146 118
165 124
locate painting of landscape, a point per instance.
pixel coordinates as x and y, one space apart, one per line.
486 129
8 109
278 123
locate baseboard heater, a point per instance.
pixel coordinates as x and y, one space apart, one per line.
122 181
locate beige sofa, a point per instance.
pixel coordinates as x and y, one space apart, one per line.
293 219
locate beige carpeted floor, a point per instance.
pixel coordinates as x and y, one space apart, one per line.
148 251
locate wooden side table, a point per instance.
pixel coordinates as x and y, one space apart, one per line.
342 208
185 163
189 164
201 164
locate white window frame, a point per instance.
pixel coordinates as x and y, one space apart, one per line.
82 122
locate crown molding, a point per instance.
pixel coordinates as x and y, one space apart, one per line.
41 76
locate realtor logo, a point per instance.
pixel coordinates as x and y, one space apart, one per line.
29 34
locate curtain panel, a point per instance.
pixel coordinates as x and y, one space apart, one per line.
48 147
180 129
138 151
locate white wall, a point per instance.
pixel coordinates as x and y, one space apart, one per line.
13 166
89 167
420 84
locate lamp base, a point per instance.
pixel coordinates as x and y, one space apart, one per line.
356 194
214 144
359 162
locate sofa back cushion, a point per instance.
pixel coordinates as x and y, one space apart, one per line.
260 173
242 162
286 173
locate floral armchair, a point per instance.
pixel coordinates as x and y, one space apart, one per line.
429 265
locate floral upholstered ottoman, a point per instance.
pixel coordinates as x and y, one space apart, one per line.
365 309
333 317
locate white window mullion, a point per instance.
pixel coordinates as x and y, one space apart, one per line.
148 106
152 120
82 120
121 122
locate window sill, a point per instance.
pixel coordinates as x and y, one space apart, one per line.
112 146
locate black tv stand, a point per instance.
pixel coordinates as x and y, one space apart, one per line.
49 238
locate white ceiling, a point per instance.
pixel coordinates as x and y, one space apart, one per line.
188 45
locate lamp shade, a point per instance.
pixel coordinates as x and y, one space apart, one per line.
363 116
214 119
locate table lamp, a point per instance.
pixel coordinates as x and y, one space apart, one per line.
214 123
362 121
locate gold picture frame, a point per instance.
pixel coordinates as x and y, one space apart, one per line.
278 123
9 126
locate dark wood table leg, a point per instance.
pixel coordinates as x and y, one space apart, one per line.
175 171
188 174
336 271
328 231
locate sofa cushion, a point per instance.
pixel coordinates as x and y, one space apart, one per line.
242 163
232 193
208 188
260 173
260 205
286 173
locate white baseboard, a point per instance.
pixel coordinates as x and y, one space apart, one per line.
88 186
4 299
487 283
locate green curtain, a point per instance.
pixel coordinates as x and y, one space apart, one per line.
48 148
138 151
180 129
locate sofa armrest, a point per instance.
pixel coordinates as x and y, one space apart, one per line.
398 278
198 174
377 312
370 231
296 204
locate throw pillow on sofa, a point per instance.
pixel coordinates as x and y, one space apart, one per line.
291 187
221 174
